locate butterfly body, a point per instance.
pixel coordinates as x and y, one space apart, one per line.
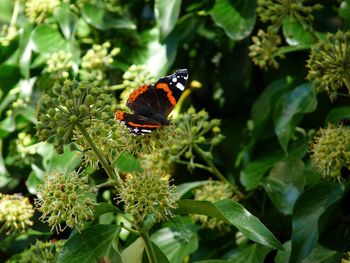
152 103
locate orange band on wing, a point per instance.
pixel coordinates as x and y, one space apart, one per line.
136 93
119 115
170 96
144 125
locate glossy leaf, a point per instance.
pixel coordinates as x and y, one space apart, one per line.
284 184
237 18
128 163
289 111
253 253
103 20
92 245
47 39
307 211
184 188
133 253
295 34
167 12
67 20
176 243
263 107
235 214
253 173
344 12
338 114
319 254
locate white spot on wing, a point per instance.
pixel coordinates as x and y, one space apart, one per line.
174 79
144 130
136 130
180 86
186 77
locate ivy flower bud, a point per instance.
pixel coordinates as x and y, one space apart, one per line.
330 151
15 213
65 198
38 11
148 194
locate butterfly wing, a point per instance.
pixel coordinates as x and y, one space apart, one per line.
159 98
137 124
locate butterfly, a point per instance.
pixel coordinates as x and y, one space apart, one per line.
152 103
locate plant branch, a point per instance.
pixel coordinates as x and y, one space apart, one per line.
112 176
215 170
149 247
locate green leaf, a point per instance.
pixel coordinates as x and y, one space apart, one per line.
133 253
253 173
184 188
213 261
47 39
290 109
264 105
128 163
344 12
25 49
338 114
307 211
103 20
158 57
9 77
253 253
92 245
67 20
319 254
167 12
176 244
237 18
235 214
66 161
161 258
103 208
284 184
295 34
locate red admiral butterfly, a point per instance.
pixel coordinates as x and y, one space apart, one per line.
152 103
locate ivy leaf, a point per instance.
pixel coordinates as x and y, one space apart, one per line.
47 39
295 34
176 244
235 214
91 245
103 20
307 211
67 20
167 12
290 109
338 114
285 183
237 18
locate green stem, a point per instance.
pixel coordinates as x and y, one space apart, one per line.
15 13
112 176
107 183
197 165
131 230
288 49
215 170
149 248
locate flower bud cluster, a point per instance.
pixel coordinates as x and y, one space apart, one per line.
7 34
59 64
212 191
65 199
330 151
275 11
97 59
72 104
40 252
194 132
148 194
264 49
38 11
329 63
15 213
